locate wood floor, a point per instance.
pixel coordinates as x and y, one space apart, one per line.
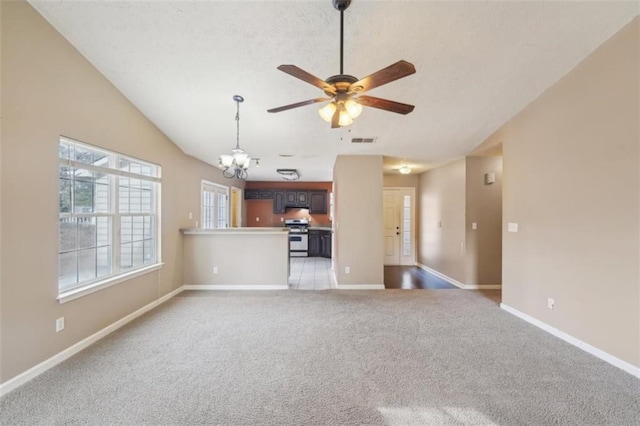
412 277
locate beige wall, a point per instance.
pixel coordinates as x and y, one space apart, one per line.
571 183
441 202
358 238
48 90
483 250
400 181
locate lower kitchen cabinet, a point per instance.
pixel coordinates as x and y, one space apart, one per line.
314 244
325 244
319 243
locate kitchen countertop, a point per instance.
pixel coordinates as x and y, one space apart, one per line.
236 231
320 228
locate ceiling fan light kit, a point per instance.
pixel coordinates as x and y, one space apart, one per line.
344 91
236 164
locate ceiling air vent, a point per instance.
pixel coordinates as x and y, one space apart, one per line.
363 140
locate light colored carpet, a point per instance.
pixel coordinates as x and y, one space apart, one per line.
397 357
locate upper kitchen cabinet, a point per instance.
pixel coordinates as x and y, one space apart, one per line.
318 202
297 198
313 199
279 206
257 194
251 194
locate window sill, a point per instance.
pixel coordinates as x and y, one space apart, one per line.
76 293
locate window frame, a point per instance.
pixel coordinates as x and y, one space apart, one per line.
117 274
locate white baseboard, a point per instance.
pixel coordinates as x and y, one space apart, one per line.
236 287
45 365
334 279
483 286
458 283
360 286
616 362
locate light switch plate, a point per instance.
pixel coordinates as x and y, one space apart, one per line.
474 225
512 227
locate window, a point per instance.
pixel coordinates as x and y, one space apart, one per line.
406 225
215 206
109 206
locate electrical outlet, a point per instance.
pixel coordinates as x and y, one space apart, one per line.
347 270
190 215
474 225
215 269
512 227
59 324
257 219
550 303
282 219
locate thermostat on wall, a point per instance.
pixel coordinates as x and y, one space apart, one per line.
489 178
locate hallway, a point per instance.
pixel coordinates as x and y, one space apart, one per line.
412 277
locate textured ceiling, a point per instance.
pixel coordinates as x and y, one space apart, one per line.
478 64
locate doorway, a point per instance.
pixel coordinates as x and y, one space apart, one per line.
236 207
399 226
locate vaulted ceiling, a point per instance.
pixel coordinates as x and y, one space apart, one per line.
478 64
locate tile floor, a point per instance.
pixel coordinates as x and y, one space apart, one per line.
310 273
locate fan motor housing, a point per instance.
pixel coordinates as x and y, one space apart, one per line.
341 4
341 82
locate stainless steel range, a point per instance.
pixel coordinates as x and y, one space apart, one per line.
298 237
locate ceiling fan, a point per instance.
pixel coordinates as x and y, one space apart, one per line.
345 90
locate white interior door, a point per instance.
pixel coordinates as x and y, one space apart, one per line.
399 226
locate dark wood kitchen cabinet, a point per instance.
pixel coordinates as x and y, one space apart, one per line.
319 243
251 194
258 194
313 199
314 244
297 199
325 244
318 202
279 206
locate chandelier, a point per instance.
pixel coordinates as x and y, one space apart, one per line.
236 164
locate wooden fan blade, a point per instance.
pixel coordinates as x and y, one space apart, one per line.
309 78
385 104
335 120
299 104
386 75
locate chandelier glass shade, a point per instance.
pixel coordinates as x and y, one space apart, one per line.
235 165
349 110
